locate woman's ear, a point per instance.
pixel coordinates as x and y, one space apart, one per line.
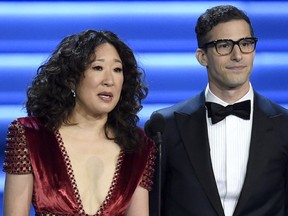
70 84
201 57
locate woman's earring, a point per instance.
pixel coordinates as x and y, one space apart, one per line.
73 93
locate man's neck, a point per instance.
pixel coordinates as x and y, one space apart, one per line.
231 95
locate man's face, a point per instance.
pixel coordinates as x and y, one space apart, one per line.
232 71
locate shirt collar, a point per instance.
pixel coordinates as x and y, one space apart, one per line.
213 98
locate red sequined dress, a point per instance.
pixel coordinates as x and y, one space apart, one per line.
32 149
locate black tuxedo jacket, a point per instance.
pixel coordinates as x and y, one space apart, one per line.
188 183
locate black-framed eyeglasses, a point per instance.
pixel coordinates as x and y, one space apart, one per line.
225 46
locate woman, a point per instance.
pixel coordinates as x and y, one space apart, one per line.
79 151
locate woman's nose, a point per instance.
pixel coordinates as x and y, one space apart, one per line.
108 79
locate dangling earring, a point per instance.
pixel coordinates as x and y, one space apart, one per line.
73 93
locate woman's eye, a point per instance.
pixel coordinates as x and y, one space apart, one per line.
118 69
98 68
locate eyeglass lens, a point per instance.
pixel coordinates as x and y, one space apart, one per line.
225 47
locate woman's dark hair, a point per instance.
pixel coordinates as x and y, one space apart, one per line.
216 15
49 98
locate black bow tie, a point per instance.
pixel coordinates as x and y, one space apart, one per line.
218 112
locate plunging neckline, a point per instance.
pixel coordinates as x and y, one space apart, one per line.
71 175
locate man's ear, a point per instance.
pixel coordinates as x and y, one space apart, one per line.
201 57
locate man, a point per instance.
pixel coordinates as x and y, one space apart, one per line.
213 164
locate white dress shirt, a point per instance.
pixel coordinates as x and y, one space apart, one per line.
229 142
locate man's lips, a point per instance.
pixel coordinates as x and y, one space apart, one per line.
240 67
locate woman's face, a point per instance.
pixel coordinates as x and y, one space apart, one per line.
100 88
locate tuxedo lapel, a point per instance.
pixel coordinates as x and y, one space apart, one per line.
262 129
193 130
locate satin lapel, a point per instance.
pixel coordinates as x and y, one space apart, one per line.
261 131
193 131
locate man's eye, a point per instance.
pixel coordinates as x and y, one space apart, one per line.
224 45
246 43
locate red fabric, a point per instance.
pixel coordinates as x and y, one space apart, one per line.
55 190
